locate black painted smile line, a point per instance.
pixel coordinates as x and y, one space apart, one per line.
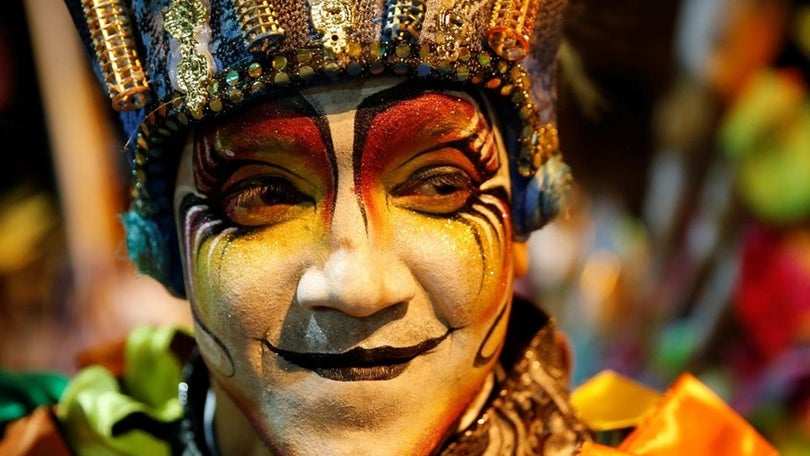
358 357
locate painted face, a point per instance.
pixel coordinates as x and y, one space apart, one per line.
348 259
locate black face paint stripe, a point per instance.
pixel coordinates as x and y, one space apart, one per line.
199 323
480 359
477 236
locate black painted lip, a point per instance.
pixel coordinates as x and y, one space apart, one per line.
381 363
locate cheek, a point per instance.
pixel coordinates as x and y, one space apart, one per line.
243 284
464 264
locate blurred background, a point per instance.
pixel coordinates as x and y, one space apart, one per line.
686 245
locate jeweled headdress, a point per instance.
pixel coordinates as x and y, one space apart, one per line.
168 64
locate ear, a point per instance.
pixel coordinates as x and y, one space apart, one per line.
520 257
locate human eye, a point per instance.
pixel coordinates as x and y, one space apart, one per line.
263 200
440 190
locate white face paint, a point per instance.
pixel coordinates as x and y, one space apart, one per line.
348 259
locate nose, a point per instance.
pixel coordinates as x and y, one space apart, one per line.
362 273
357 281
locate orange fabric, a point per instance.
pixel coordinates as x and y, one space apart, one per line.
33 435
110 355
692 420
594 449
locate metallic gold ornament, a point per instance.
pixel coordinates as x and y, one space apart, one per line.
332 19
185 20
403 20
260 26
112 37
511 26
453 27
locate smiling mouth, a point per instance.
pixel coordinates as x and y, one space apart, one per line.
382 363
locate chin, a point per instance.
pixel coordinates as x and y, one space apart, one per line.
317 416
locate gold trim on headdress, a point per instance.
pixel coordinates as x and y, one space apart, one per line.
259 23
333 20
511 27
453 28
403 20
185 20
111 33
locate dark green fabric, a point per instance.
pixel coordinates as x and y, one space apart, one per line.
22 392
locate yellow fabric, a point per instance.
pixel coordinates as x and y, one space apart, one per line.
610 401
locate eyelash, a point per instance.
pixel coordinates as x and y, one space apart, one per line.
266 186
442 190
262 200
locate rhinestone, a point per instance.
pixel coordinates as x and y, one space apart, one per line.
376 68
215 104
331 67
484 59
254 70
524 113
403 50
304 55
423 69
235 96
424 51
281 78
232 77
257 86
519 96
354 69
401 68
462 73
306 72
279 62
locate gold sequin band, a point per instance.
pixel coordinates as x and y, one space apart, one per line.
111 34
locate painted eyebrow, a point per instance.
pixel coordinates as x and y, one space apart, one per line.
209 158
477 132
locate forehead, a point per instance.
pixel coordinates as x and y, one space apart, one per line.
372 96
